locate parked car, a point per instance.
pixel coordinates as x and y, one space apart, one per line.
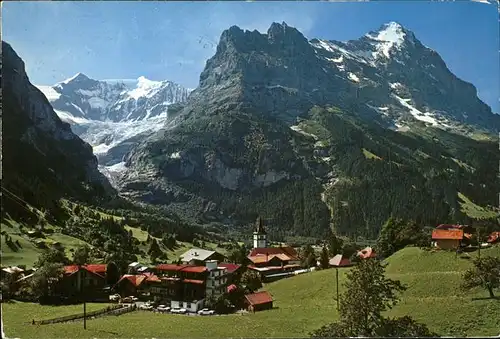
179 310
146 307
127 300
163 308
206 311
134 298
114 297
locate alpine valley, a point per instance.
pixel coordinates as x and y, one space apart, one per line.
311 135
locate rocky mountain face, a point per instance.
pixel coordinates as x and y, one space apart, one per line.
387 74
318 134
43 160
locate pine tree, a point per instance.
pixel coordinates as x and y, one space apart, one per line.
154 251
324 258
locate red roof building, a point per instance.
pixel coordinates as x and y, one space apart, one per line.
366 253
447 238
494 237
80 278
233 271
195 269
135 280
449 234
97 268
232 288
259 301
339 261
289 251
151 277
231 268
68 270
170 267
130 284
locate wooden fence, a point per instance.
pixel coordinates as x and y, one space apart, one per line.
122 310
73 317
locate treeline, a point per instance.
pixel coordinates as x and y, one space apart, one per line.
289 207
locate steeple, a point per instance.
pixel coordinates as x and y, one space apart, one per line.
259 235
259 227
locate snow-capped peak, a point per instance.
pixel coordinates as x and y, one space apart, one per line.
143 81
392 35
77 77
144 87
391 32
116 100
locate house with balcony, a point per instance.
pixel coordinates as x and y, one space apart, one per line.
217 279
187 286
77 282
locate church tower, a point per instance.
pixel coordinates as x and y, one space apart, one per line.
259 235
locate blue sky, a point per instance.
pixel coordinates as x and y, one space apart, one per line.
172 40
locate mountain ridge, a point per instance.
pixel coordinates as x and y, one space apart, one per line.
283 127
349 70
113 115
105 98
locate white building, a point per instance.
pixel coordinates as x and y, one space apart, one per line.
198 256
216 279
260 235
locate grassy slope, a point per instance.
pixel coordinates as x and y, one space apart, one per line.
475 211
15 313
306 302
28 253
173 254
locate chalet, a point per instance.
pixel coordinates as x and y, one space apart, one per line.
97 268
367 253
468 231
135 284
259 301
197 256
233 272
88 280
79 281
447 238
272 269
187 286
339 261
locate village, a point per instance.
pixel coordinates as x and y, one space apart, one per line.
203 282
